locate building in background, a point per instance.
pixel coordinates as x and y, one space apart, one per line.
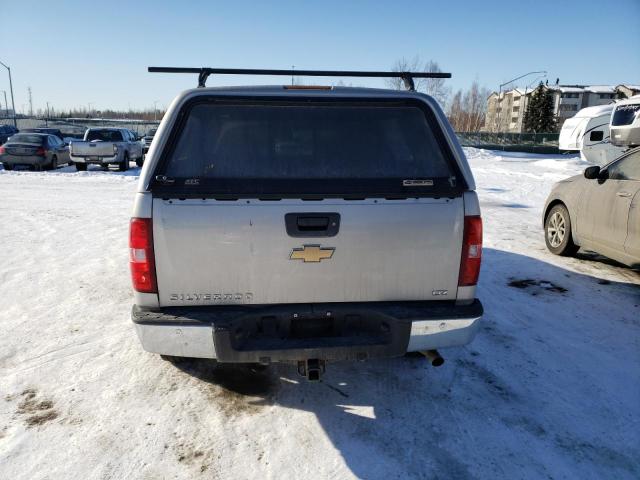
505 111
627 91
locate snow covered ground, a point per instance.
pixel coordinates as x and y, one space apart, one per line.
550 388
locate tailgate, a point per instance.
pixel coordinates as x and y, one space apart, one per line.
92 149
300 200
219 252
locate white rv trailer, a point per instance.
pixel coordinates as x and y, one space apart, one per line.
625 122
588 132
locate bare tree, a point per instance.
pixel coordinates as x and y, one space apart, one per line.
468 109
404 65
455 113
435 87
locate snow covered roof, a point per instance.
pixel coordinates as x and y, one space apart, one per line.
601 89
570 89
583 88
630 87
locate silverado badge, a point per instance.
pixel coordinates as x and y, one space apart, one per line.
311 253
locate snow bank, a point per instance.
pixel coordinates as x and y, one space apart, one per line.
547 390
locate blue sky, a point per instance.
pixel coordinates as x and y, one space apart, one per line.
75 52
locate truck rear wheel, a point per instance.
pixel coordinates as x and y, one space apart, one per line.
7 166
124 166
81 167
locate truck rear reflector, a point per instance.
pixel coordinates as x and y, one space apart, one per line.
471 251
141 257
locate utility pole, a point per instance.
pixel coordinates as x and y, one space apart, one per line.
30 102
13 105
155 111
46 122
6 105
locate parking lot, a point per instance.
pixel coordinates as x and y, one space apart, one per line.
547 390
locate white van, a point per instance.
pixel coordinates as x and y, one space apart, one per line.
588 132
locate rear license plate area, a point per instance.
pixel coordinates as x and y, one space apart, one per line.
313 327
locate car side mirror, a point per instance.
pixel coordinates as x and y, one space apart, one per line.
592 172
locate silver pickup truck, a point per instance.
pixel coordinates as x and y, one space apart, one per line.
106 146
305 225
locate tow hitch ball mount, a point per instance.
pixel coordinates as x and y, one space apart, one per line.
311 368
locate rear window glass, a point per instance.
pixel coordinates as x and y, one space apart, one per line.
307 142
625 114
104 135
25 138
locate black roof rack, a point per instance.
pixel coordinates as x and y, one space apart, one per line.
204 72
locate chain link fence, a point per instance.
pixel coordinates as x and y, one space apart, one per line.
511 142
77 126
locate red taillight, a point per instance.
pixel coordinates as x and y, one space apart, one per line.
1 150
40 152
141 260
471 252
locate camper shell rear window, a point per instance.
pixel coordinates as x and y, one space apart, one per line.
307 147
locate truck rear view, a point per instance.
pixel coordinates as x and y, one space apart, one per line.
304 226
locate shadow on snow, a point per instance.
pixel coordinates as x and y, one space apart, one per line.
545 390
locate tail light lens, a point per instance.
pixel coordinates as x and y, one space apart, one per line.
141 258
471 251
2 150
40 152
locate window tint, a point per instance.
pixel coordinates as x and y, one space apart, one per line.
596 135
26 138
307 141
627 168
104 135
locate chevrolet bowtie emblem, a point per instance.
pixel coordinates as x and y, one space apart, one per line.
311 253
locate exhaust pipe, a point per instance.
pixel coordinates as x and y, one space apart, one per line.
434 357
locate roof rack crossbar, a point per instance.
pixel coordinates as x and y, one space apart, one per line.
204 72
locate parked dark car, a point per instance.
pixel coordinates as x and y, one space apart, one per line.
6 131
148 138
39 151
49 131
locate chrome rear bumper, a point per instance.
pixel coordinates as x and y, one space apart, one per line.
212 332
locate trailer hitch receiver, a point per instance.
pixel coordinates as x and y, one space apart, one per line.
311 368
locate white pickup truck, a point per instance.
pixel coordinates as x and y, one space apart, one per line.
305 225
104 147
